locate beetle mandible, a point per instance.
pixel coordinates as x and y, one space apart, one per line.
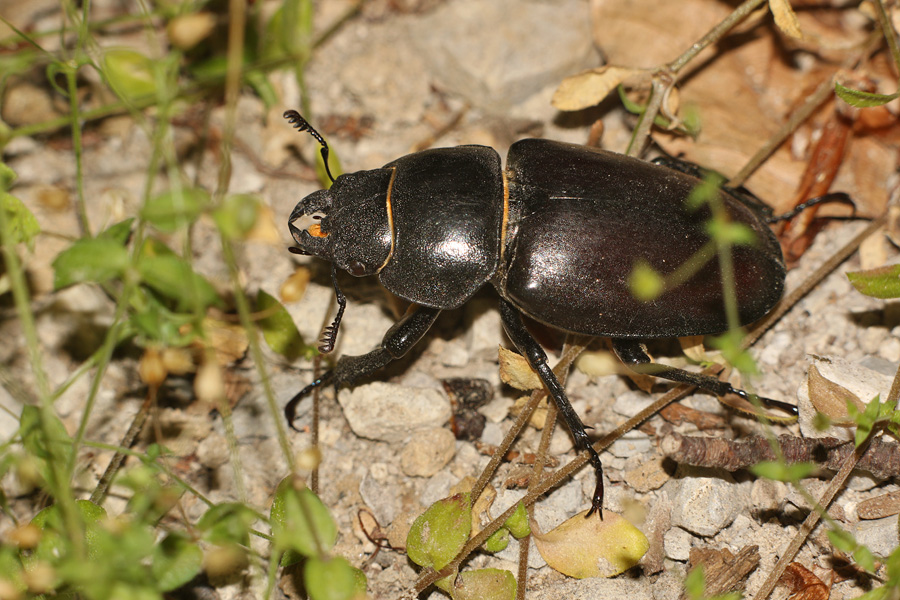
557 232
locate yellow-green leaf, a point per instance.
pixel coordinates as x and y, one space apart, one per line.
592 547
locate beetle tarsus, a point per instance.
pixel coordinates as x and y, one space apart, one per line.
329 336
635 358
290 409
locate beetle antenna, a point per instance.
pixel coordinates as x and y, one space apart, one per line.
301 124
329 336
832 197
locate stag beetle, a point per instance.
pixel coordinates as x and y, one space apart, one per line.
557 234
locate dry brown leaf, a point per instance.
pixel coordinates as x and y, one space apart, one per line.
803 583
295 286
830 398
591 87
229 340
785 18
693 348
515 371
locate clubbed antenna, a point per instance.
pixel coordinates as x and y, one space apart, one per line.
301 124
329 336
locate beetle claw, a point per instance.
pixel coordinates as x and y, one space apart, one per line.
290 409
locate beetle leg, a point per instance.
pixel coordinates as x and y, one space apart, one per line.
635 358
537 358
398 340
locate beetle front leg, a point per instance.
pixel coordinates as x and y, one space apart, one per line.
399 339
635 358
537 358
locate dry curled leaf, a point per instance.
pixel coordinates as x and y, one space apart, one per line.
803 583
515 371
785 18
591 547
586 89
830 398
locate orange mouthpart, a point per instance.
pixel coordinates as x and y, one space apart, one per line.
316 231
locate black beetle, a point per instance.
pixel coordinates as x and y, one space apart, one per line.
557 234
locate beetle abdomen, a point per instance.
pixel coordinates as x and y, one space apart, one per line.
446 208
580 219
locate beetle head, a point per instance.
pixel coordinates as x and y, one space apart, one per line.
347 224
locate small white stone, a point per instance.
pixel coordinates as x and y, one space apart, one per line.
390 412
428 452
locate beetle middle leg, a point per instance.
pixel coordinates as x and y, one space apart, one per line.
632 353
399 339
537 358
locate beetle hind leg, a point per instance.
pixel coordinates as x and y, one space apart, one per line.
537 358
635 358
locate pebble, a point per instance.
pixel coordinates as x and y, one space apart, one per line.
390 413
878 535
428 452
678 542
644 473
705 505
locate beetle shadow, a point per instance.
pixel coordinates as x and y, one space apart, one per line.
887 316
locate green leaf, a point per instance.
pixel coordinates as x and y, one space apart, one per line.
94 260
883 282
333 579
865 421
695 583
779 471
736 234
729 343
39 431
227 523
176 560
237 215
879 593
592 547
129 73
439 533
175 209
289 32
645 283
517 523
279 330
861 99
120 232
498 541
484 584
300 521
21 225
706 192
842 540
7 176
169 275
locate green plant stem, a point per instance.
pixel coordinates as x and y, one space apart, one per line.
58 459
77 148
887 29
